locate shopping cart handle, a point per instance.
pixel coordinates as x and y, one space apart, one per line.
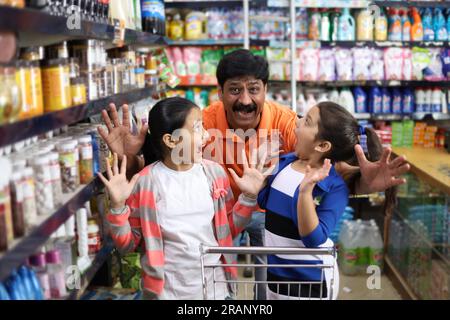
267 250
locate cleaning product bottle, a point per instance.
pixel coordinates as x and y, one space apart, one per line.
301 104
334 96
444 103
407 101
428 98
448 23
314 25
334 21
386 103
4 295
439 25
381 27
375 100
417 26
310 102
176 28
39 265
325 26
346 26
360 100
420 100
436 101
364 24
427 21
406 26
363 248
347 100
323 97
396 101
395 26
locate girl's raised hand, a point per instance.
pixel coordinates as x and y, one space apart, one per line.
313 176
117 184
254 176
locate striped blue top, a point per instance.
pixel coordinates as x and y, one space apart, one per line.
279 199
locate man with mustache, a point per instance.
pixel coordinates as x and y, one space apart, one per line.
242 109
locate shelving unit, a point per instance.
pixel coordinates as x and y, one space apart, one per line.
18 131
409 4
26 246
38 28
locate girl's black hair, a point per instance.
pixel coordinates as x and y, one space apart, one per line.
165 117
341 129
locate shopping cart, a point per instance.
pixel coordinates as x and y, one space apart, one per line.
243 289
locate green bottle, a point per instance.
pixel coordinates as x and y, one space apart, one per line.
334 24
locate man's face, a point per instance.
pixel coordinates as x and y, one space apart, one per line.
243 99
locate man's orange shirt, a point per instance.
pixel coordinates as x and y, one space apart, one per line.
274 117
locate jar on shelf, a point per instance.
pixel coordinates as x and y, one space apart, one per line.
57 51
140 78
44 190
117 76
23 78
10 97
18 218
86 159
94 240
55 170
78 91
67 161
56 85
29 198
75 145
32 53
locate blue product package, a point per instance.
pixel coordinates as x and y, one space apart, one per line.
96 152
36 286
407 101
375 100
360 100
15 287
445 57
396 101
386 102
427 22
29 293
4 293
439 25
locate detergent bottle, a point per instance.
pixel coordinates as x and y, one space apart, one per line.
417 26
347 100
427 21
334 20
406 26
364 24
314 25
360 100
346 26
448 23
439 25
395 26
381 27
375 100
386 102
325 26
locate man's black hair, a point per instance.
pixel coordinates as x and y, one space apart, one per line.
240 63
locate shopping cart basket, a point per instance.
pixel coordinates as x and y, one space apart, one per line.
244 288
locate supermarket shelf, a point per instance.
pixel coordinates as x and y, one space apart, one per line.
207 42
419 4
199 4
269 18
318 3
302 44
39 28
100 258
14 132
369 83
26 246
434 116
398 280
430 164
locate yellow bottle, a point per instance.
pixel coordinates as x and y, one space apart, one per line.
176 28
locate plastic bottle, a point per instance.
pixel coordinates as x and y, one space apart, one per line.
363 247
427 22
301 104
386 102
360 100
347 100
439 25
395 26
39 265
407 101
314 25
396 101
381 27
349 251
375 100
346 26
406 25
325 27
310 102
56 275
444 103
4 295
176 28
376 247
334 96
334 21
417 26
364 25
420 100
323 97
436 100
35 284
428 98
448 24
153 16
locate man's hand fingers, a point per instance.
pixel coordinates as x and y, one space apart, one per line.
126 116
360 155
115 164
107 120
104 180
114 115
385 155
397 162
396 182
401 170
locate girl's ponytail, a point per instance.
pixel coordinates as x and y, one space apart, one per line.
153 151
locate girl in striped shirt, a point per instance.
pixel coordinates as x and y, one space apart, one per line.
177 202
